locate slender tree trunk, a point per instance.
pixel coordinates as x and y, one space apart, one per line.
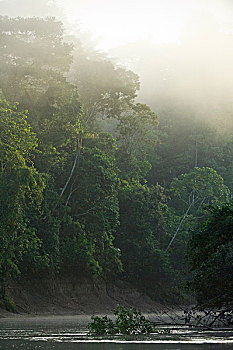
191 204
79 143
179 226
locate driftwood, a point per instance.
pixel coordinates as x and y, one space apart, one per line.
197 316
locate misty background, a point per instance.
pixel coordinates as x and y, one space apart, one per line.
188 73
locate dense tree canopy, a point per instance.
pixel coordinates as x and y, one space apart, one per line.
211 257
20 188
90 185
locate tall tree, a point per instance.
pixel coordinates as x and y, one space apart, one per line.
33 61
105 90
141 238
20 187
210 255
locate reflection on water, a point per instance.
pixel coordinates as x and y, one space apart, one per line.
69 333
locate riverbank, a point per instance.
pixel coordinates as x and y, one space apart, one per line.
162 315
68 296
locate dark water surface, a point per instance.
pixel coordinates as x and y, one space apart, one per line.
69 333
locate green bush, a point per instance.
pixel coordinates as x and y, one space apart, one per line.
127 322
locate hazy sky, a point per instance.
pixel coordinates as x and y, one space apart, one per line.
198 72
117 22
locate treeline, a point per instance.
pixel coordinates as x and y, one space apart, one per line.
86 186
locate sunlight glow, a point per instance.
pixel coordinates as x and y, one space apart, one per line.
119 22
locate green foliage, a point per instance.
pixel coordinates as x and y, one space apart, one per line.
17 140
136 128
33 58
186 142
190 194
75 200
8 304
78 254
64 246
210 254
21 187
93 199
105 90
202 186
136 133
141 238
128 321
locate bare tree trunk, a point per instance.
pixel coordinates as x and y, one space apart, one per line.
179 226
191 204
79 143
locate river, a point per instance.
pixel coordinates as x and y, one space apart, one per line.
69 333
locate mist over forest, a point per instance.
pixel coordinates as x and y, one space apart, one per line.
192 77
116 151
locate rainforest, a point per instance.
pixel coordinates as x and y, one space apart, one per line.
102 181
